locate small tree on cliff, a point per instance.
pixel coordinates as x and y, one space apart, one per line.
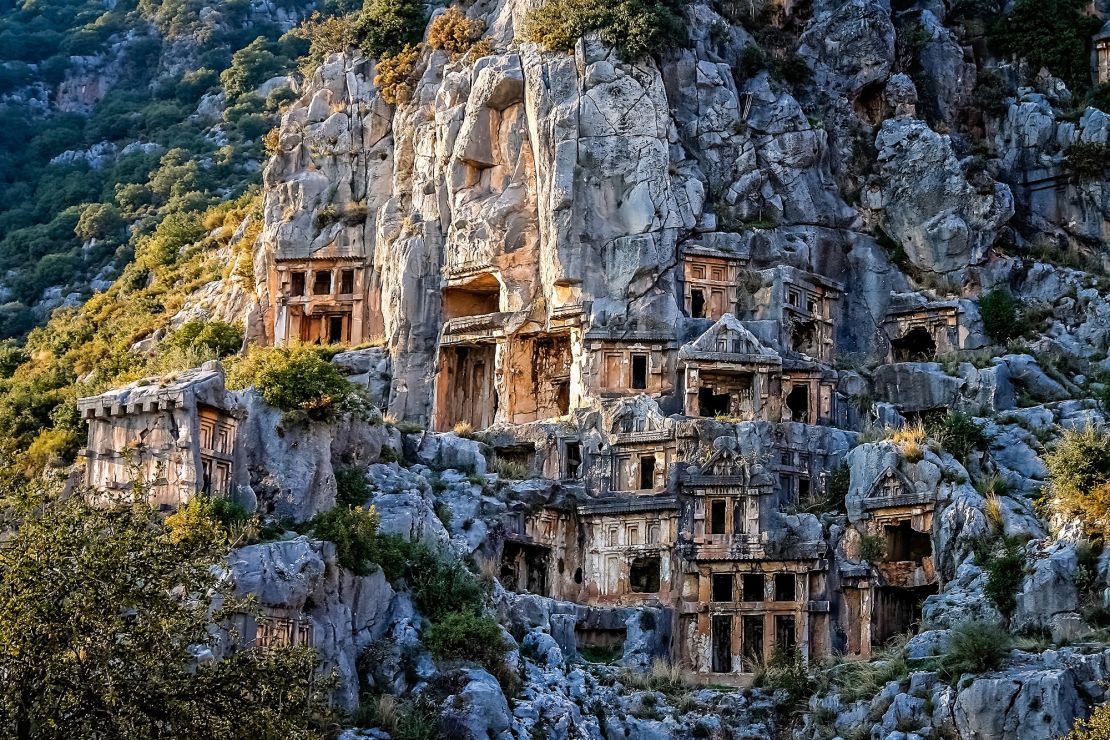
102 610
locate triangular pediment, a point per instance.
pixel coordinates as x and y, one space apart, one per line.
729 337
890 484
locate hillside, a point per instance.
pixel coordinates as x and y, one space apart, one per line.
642 369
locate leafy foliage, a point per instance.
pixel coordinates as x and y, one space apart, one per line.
1005 568
872 547
96 629
438 586
786 672
636 28
1095 727
958 433
396 75
1001 319
1079 469
214 337
351 487
294 378
453 32
325 35
354 531
1087 160
467 635
1050 33
385 27
976 647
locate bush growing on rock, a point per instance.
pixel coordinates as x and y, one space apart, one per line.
325 35
396 75
975 647
1079 470
1005 571
872 547
1050 33
385 27
1001 319
439 586
786 672
467 635
1095 727
636 28
351 487
453 32
214 337
354 531
1087 160
294 378
958 433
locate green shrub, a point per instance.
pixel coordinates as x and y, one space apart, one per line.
1001 319
99 221
1079 473
325 34
1087 160
1005 569
294 378
785 671
466 635
958 433
438 585
635 28
386 26
214 337
992 93
351 487
837 485
872 547
354 531
1050 33
976 647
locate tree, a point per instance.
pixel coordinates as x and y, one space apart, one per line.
99 221
1001 319
296 378
1050 33
1079 469
101 613
387 26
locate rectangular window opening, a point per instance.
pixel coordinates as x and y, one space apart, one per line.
786 587
347 282
321 283
296 286
647 472
722 587
753 585
717 517
639 372
697 304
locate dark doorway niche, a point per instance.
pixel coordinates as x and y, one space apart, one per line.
917 345
722 643
643 575
712 404
798 403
